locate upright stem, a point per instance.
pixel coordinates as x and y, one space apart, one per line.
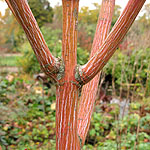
66 117
69 42
67 89
89 90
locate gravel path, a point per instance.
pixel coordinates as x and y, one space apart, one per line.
9 54
9 69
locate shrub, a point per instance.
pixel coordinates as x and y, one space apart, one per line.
130 70
29 63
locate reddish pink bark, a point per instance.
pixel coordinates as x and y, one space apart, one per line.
66 117
67 89
89 90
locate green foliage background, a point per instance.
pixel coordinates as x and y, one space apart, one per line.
42 11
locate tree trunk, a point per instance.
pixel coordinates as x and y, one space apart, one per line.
67 89
69 76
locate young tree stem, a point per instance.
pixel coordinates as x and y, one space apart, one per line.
88 94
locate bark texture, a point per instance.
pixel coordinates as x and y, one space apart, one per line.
66 117
67 89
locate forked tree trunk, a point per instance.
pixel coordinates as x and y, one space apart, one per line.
72 123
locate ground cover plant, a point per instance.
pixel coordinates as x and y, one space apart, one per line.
28 119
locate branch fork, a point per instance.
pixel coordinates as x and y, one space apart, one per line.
72 123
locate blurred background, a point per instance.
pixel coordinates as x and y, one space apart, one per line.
121 118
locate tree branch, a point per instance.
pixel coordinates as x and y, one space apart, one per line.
23 14
88 94
99 60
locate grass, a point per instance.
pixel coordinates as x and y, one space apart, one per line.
10 61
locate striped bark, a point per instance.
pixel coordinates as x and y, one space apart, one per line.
88 94
67 89
66 117
67 74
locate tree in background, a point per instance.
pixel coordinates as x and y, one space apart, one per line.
42 11
12 35
116 15
57 18
88 16
87 24
139 30
11 32
72 120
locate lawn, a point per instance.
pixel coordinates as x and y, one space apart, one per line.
9 61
